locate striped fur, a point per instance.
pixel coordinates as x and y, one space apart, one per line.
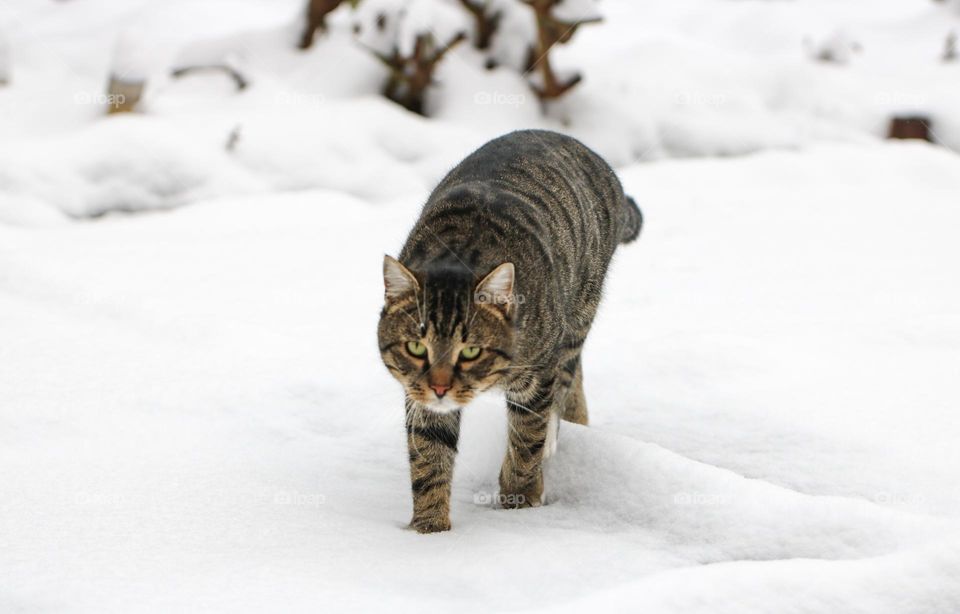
556 211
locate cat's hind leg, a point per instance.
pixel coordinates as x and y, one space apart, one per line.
575 403
553 434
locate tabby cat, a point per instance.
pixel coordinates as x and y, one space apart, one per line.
497 285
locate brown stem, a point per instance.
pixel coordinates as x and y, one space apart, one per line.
316 19
486 23
240 81
411 76
550 32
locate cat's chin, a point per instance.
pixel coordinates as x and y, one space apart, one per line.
443 406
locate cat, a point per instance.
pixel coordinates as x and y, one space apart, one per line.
497 286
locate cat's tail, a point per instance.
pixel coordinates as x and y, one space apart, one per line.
632 221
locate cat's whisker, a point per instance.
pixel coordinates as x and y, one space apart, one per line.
523 407
412 319
515 432
416 419
531 367
422 311
476 312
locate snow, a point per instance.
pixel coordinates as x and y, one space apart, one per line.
443 21
4 59
517 32
133 59
576 11
194 411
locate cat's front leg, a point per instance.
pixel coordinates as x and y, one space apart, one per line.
521 476
432 445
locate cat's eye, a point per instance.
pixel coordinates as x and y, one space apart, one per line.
416 349
470 353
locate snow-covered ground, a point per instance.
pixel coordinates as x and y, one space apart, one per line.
193 412
195 415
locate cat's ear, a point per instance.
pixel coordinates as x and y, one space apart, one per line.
496 289
397 279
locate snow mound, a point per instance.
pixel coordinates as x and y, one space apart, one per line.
195 413
143 163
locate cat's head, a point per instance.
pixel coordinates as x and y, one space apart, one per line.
445 333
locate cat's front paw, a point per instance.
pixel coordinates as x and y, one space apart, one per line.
518 491
518 497
431 524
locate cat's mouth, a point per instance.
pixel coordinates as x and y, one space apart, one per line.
443 405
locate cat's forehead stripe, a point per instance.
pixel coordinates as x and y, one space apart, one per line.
448 293
445 310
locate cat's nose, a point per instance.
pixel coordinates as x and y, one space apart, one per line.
440 389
